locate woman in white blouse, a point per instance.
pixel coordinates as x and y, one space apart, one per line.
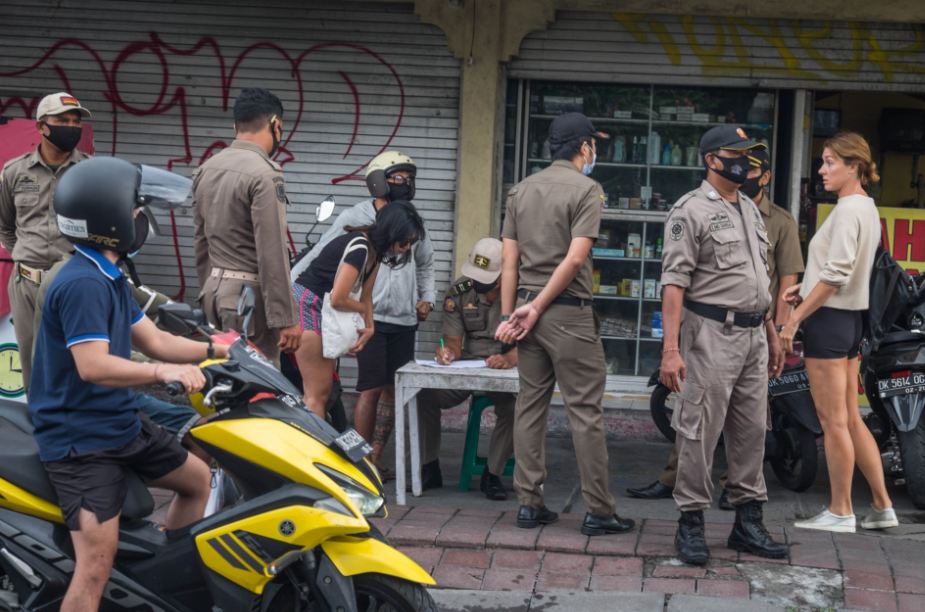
829 306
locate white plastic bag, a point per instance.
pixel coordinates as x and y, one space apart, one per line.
340 328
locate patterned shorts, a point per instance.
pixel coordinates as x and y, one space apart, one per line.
309 308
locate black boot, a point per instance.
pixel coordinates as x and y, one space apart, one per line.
656 490
431 478
690 541
530 517
491 486
750 535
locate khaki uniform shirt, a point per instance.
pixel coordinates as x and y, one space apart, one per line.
28 224
717 254
545 211
784 254
239 215
467 314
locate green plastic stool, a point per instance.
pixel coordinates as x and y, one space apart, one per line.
472 464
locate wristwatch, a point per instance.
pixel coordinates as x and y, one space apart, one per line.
505 318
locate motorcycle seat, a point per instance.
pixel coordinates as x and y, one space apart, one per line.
901 336
21 466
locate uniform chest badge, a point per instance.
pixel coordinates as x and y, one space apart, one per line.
676 231
449 305
26 185
720 221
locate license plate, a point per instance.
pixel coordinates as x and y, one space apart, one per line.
902 385
791 382
353 445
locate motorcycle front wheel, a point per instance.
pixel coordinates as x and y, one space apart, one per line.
797 458
912 451
381 593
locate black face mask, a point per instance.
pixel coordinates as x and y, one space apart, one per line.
734 169
751 187
65 137
404 192
482 287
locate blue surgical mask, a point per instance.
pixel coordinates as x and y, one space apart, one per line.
587 169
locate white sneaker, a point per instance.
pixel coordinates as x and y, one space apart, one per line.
826 521
880 519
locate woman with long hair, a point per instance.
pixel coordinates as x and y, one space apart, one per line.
347 260
829 306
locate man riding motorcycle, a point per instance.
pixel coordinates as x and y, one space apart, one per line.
86 417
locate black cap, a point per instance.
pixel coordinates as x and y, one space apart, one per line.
759 157
730 137
569 126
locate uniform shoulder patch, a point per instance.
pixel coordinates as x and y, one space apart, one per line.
676 229
280 184
449 304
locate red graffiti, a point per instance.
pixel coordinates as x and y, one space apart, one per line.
169 97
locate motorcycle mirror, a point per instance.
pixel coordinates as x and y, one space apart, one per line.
180 319
325 209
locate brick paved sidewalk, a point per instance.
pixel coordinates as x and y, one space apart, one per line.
481 549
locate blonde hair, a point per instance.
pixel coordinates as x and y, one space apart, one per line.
852 148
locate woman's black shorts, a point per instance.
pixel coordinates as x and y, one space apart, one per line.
830 333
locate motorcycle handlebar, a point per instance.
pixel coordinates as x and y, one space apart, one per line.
175 388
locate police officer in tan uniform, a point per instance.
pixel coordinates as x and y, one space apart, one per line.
552 220
28 226
471 314
785 263
720 345
239 208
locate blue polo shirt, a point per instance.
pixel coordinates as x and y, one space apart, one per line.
89 300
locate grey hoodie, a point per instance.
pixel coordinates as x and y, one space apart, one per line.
397 290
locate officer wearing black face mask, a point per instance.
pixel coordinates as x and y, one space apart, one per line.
715 280
28 228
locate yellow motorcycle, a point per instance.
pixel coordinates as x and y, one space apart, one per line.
298 540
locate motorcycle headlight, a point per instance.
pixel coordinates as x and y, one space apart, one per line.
368 503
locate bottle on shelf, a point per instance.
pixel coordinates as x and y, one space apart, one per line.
643 150
657 331
677 157
631 156
655 146
547 151
666 154
658 247
691 156
619 149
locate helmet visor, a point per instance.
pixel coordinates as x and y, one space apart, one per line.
163 189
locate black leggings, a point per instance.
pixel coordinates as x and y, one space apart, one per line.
830 333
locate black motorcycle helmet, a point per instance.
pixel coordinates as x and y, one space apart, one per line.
95 202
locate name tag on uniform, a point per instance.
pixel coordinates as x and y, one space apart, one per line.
26 185
720 221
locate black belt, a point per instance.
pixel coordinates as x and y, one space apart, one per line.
562 300
740 319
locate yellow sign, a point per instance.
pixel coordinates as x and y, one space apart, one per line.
902 233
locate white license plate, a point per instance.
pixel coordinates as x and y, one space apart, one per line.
902 385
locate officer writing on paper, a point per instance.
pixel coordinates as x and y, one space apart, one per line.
471 314
720 345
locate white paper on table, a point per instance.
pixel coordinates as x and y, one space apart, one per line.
462 363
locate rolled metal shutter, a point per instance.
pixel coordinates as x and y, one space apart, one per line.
728 51
161 77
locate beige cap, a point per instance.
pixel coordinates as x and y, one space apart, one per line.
58 103
484 262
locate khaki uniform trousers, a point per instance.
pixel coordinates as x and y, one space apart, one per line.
564 346
432 401
23 294
669 475
219 298
725 393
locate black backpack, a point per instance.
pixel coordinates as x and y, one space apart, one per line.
893 294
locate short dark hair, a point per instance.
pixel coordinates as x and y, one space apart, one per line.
254 108
397 221
569 149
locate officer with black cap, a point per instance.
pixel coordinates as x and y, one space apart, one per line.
552 220
720 345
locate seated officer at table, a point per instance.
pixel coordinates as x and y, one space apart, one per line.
471 313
